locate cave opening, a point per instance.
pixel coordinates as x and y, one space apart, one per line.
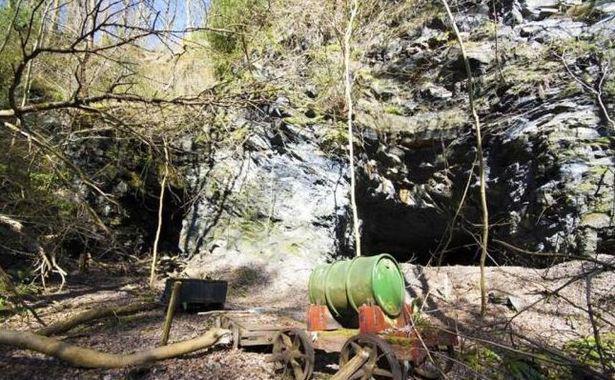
420 242
142 211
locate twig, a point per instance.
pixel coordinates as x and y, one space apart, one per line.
595 90
481 163
451 226
4 277
35 138
163 185
610 266
590 313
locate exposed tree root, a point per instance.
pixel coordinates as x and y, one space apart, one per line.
47 261
88 358
94 314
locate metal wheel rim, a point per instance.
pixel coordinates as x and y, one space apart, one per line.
296 355
382 362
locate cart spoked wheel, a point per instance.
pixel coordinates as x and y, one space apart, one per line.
437 364
381 363
293 355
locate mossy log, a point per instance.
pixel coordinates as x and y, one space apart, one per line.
88 358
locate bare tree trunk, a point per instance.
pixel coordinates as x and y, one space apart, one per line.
348 87
55 14
39 39
88 358
17 7
481 164
163 185
189 21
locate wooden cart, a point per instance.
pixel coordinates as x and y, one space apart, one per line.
390 354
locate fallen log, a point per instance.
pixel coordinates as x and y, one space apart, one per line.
93 315
88 358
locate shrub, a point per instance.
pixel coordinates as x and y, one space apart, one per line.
240 18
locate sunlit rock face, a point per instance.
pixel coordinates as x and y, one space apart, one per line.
275 199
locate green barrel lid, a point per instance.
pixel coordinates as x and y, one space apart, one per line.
388 285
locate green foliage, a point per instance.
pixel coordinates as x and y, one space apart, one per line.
223 13
335 138
325 72
234 21
520 368
504 364
586 350
482 359
585 11
394 109
609 88
11 54
34 191
23 286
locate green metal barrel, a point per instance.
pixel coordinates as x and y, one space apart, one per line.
347 284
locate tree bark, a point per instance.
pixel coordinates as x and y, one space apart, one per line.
88 358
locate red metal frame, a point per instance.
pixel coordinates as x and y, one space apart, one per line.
373 320
319 318
407 342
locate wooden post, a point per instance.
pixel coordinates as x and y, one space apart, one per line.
352 366
170 312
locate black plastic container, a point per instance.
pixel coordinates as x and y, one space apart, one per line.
197 294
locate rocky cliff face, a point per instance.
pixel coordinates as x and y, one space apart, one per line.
273 201
549 144
549 147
